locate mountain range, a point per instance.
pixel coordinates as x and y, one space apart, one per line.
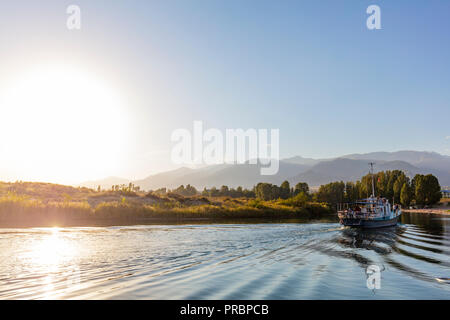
313 171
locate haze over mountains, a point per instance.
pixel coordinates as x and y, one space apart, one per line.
313 171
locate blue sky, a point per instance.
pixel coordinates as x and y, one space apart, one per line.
310 68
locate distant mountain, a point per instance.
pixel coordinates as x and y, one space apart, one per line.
301 160
421 159
313 171
343 169
164 179
244 175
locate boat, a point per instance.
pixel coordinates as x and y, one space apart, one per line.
373 212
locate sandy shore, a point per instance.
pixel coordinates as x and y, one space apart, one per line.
445 211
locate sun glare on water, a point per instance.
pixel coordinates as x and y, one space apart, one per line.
61 124
52 250
51 260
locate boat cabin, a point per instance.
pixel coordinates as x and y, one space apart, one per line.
370 208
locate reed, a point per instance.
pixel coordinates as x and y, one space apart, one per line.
29 211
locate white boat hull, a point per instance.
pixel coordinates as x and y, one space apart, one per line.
368 223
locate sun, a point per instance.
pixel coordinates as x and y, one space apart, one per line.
63 124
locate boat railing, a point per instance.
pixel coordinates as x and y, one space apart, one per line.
359 215
370 214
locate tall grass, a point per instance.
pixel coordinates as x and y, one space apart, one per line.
17 208
24 210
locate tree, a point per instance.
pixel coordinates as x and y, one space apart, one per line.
285 190
263 191
214 192
381 183
331 193
301 187
249 193
275 192
161 191
428 190
398 185
188 191
300 199
351 192
366 186
393 176
405 195
267 191
224 191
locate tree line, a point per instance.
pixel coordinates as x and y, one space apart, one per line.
122 188
394 185
268 191
262 191
223 191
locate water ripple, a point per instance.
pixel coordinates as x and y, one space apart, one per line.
233 261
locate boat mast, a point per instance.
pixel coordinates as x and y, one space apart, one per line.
373 183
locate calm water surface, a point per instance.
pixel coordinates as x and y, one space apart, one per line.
319 260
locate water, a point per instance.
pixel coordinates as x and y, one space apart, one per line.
319 260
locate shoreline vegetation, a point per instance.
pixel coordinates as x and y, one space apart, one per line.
40 204
35 204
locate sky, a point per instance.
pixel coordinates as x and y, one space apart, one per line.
103 101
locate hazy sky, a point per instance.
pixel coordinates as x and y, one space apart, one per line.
310 68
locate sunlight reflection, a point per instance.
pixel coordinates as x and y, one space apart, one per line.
54 257
53 250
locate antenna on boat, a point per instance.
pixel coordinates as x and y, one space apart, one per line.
373 183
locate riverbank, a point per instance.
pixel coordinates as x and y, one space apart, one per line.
330 218
48 205
429 211
123 215
442 208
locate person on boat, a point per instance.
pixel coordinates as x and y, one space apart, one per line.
352 212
